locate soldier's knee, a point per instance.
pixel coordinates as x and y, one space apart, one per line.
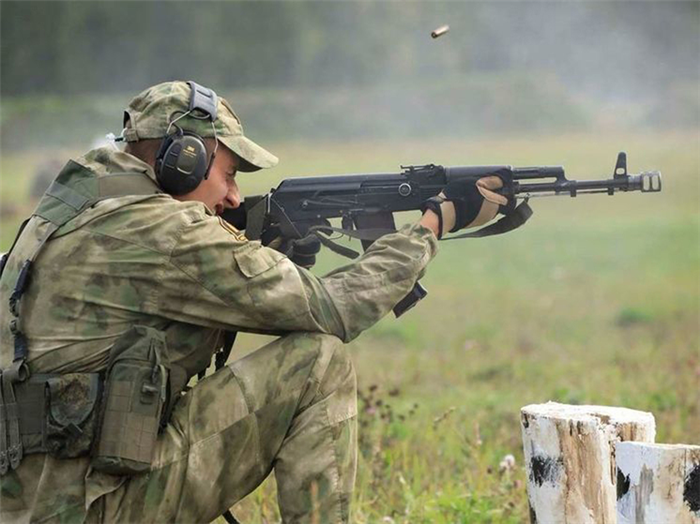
334 366
327 344
337 381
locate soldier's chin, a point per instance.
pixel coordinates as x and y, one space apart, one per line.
218 209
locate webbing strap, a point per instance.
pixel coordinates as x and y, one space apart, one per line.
67 195
228 517
4 258
514 220
14 444
435 205
337 248
177 381
19 370
20 286
222 356
4 462
370 234
511 221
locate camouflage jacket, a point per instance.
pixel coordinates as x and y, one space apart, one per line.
152 260
142 257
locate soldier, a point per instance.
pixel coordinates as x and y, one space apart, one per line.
119 289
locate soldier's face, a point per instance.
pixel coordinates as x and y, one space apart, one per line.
220 190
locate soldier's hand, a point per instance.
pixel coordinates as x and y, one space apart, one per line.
303 251
464 203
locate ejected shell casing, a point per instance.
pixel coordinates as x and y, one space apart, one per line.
440 31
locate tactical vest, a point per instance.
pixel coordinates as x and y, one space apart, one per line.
23 426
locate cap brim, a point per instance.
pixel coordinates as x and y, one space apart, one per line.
253 157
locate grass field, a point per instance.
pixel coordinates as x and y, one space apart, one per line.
596 300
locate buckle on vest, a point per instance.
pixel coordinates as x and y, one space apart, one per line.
16 453
4 463
20 287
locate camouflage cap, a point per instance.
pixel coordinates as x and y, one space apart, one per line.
149 115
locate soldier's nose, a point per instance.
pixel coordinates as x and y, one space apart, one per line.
233 201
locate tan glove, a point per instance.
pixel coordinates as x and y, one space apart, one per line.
465 203
493 202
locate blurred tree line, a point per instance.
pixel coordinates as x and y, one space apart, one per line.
81 47
310 57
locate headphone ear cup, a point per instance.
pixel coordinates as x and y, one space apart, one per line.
181 164
164 145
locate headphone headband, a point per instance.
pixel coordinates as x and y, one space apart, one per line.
203 99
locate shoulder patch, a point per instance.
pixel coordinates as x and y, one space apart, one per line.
232 230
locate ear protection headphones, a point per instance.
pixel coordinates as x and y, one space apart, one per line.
182 161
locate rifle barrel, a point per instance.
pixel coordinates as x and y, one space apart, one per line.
648 182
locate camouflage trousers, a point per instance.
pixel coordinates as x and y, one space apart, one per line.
289 407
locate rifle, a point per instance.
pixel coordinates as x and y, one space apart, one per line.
366 203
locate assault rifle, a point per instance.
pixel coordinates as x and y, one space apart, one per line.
301 207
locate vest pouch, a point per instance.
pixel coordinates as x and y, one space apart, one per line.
70 421
135 395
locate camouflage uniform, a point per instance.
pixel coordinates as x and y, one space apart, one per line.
174 266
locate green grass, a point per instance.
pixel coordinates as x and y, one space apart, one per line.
596 300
